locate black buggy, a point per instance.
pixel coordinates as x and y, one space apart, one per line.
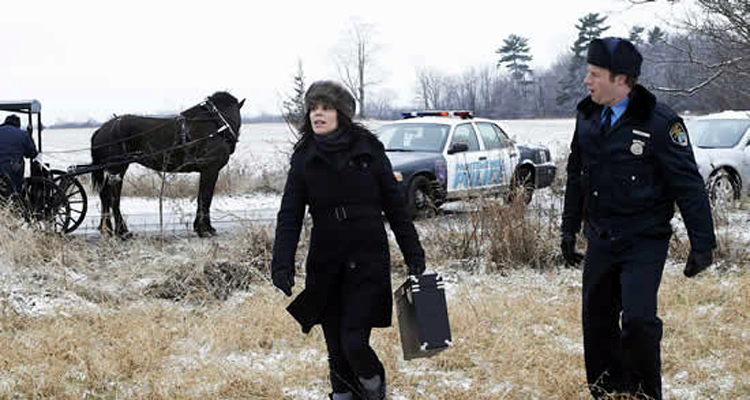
51 199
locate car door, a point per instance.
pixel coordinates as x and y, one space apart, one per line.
464 168
498 153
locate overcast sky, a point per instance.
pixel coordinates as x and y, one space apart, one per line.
92 58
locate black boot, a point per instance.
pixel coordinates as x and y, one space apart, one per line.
373 388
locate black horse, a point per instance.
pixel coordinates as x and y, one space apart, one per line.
200 139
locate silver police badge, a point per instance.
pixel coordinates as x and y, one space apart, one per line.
637 147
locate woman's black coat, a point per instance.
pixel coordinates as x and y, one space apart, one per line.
348 260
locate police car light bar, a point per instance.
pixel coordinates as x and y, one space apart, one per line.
463 114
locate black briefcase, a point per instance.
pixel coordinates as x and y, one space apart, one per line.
423 316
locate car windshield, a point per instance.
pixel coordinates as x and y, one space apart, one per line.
425 137
717 133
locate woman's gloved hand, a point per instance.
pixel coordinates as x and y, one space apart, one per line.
416 269
284 280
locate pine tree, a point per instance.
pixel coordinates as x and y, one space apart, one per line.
515 54
656 35
590 27
636 33
294 105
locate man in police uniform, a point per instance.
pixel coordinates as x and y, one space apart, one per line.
630 161
15 144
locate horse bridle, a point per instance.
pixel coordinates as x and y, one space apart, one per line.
224 124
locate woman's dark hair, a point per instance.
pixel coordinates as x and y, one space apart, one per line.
345 124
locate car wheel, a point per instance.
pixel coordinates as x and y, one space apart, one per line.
723 188
523 184
419 201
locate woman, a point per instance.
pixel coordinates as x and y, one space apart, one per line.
340 171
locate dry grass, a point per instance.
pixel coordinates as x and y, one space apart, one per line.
505 235
104 334
234 179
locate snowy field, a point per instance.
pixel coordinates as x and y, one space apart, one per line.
177 317
262 147
267 144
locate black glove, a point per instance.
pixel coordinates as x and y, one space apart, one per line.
568 246
698 261
284 280
416 269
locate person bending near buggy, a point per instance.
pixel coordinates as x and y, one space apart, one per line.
15 144
339 169
630 162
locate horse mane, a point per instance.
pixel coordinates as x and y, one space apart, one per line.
223 98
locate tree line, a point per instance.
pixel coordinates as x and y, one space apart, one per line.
701 67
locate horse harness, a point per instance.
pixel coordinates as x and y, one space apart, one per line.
230 136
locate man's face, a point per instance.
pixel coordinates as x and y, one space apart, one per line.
602 88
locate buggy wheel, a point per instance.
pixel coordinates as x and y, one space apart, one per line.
45 204
76 195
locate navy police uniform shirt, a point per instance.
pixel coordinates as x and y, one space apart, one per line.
15 144
624 181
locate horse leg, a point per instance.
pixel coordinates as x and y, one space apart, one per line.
105 197
202 223
121 228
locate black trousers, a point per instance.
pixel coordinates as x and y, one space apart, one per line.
349 353
621 331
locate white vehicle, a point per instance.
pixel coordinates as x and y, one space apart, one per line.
721 143
439 156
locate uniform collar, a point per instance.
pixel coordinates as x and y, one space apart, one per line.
617 109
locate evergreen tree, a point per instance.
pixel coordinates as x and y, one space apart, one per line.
590 27
515 54
294 105
656 35
636 33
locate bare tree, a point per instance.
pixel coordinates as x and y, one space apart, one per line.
380 105
356 60
430 86
725 24
487 81
469 89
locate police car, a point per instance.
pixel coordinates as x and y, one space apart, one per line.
440 156
721 144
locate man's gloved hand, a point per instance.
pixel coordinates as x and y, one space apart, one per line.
697 262
416 269
568 246
284 280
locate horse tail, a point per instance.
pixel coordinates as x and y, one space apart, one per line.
97 179
97 176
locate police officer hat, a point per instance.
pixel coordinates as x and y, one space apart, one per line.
615 54
13 120
331 93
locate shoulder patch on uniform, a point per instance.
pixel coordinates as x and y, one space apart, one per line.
679 135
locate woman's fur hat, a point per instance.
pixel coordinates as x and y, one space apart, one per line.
331 93
615 54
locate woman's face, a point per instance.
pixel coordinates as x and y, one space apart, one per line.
323 118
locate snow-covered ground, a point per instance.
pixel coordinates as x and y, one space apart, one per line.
262 147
